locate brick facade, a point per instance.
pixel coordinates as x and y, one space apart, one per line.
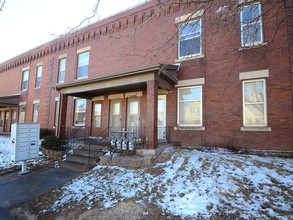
147 35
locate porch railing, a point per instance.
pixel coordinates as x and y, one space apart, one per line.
75 135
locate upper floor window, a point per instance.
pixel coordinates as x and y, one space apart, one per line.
189 39
83 64
24 83
251 25
39 76
62 66
254 103
190 106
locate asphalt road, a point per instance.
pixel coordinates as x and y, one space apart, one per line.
16 189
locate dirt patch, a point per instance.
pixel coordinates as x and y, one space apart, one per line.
129 210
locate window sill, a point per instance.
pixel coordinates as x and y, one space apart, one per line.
189 58
255 129
58 83
81 78
23 90
185 128
253 46
37 87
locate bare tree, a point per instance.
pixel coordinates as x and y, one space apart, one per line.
87 19
2 4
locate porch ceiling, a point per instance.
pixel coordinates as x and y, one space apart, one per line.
130 80
9 101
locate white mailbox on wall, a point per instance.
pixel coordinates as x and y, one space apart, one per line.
25 141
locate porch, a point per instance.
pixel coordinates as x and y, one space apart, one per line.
8 112
127 109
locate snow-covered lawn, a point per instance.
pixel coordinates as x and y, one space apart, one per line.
192 184
5 157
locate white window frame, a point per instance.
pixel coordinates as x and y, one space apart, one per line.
35 113
258 20
20 116
56 115
22 81
178 107
61 70
199 20
75 101
39 76
79 64
264 103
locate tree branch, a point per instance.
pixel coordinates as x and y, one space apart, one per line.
86 19
2 3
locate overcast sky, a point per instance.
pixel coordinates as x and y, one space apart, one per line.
26 24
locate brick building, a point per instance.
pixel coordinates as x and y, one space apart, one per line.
212 74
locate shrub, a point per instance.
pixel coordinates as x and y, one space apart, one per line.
52 143
44 132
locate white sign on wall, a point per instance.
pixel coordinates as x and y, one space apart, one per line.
25 141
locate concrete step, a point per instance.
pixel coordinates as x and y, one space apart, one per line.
72 165
86 152
82 159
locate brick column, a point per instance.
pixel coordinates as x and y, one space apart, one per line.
152 114
62 115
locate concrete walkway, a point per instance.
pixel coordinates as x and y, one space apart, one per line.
16 189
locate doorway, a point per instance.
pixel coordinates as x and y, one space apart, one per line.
96 118
162 118
6 121
115 117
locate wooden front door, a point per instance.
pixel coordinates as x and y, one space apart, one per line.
6 121
115 117
96 118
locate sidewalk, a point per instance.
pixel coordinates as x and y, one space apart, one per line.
16 189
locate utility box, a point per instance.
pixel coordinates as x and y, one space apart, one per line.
25 140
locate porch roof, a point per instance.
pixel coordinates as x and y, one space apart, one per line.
9 101
129 80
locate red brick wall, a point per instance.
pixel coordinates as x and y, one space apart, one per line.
123 42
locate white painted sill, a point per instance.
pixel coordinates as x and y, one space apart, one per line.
189 58
185 128
81 78
253 46
255 129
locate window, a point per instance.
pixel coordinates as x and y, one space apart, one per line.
21 114
24 84
56 118
79 112
39 76
190 106
254 103
251 25
35 113
83 64
189 39
62 66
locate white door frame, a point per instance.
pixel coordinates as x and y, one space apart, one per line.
162 121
